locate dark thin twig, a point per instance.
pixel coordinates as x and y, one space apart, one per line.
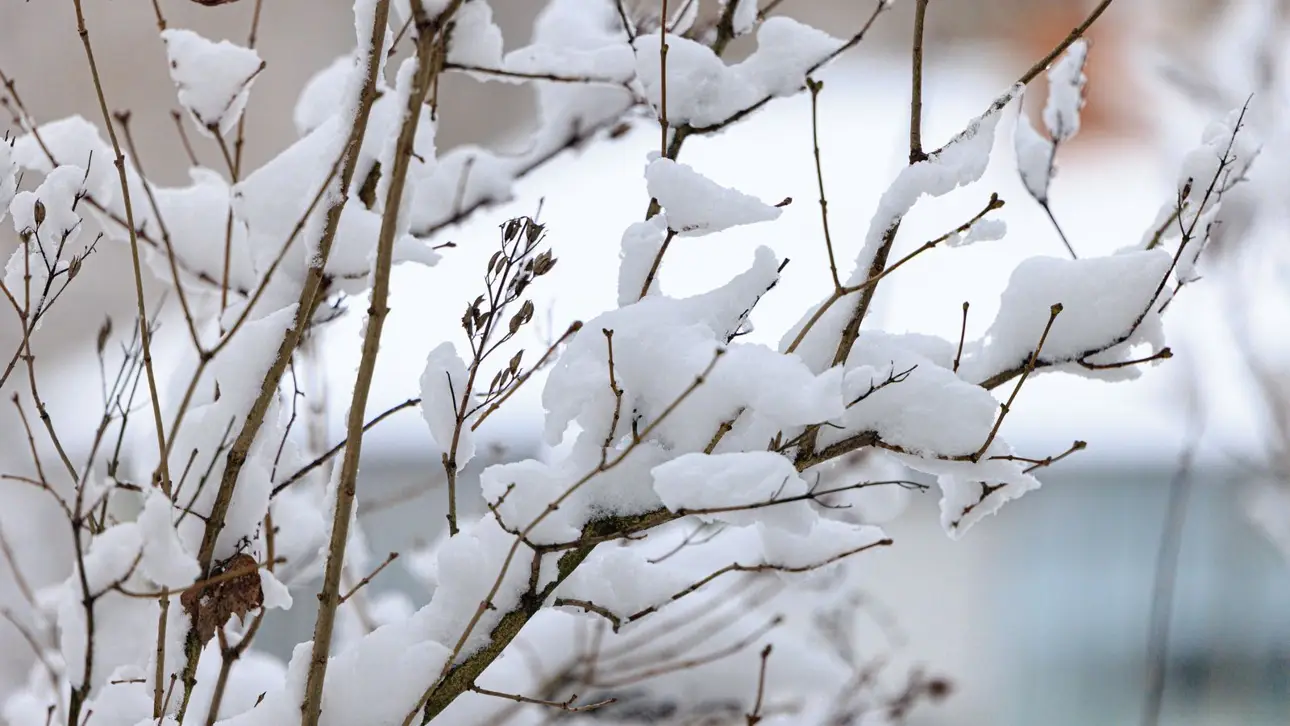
1162 597
916 97
1078 32
1060 232
815 87
958 356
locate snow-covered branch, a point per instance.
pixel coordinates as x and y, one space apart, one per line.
688 463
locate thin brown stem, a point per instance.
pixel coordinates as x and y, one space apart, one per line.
1166 575
178 118
693 662
430 37
958 355
617 391
1030 367
392 557
330 453
562 705
455 677
235 169
161 19
510 391
1078 32
883 271
163 466
18 578
754 717
815 87
159 668
658 261
124 120
916 97
1048 209
662 62
310 296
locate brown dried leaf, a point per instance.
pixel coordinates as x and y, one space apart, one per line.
235 590
105 332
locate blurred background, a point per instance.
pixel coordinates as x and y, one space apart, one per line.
1041 614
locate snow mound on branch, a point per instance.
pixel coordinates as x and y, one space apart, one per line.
727 481
1104 300
214 79
697 205
703 91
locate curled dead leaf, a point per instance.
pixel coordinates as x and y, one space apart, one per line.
234 589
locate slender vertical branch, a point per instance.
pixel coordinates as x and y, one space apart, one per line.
431 36
662 62
123 118
815 87
958 355
1030 367
183 138
159 669
618 399
916 98
754 717
163 467
230 654
1060 232
1162 596
658 261
161 19
310 296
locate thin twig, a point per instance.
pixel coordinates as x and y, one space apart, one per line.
392 557
124 119
916 97
456 677
310 296
662 62
1162 596
510 391
1048 209
1078 32
958 355
327 455
178 118
1054 311
755 716
430 38
562 705
119 161
815 87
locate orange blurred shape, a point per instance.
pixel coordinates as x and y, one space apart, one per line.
1109 112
